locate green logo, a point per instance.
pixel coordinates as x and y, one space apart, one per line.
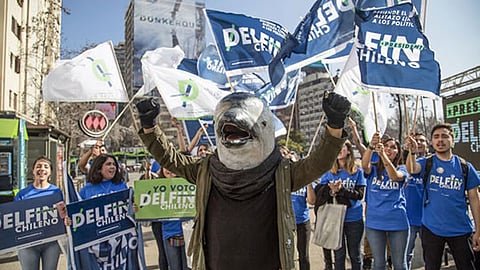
188 90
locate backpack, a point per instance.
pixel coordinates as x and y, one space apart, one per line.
428 168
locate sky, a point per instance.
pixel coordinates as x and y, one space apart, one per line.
452 27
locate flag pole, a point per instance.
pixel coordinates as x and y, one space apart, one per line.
374 111
415 116
315 136
205 132
232 89
406 114
120 114
290 124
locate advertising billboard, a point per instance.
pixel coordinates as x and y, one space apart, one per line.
166 23
463 112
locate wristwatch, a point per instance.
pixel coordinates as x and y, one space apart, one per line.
371 147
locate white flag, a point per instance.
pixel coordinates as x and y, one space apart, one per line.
161 57
186 95
93 75
350 85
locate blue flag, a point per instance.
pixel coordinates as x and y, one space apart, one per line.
325 30
393 54
245 44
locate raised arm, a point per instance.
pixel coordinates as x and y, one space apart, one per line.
413 167
356 137
367 157
180 137
196 138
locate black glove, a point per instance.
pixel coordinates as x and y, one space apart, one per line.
336 108
148 110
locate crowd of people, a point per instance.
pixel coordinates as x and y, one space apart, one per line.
393 195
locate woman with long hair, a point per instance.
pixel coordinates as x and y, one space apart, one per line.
104 177
345 182
386 215
49 252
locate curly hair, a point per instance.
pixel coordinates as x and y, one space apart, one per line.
94 175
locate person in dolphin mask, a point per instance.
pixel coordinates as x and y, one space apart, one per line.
244 217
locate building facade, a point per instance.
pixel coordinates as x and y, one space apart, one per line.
30 35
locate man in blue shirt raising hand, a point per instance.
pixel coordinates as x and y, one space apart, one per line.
445 216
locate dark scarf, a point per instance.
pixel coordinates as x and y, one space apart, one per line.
244 184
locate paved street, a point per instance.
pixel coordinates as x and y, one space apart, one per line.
10 261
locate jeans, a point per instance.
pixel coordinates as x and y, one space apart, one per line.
414 230
398 245
157 233
303 244
30 257
433 247
176 256
352 239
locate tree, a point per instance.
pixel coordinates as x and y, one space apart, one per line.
296 142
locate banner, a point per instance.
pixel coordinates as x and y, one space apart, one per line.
393 54
94 75
165 198
97 219
31 222
246 44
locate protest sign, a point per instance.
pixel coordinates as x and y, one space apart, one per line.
101 218
30 222
166 198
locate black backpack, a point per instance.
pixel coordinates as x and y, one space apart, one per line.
428 168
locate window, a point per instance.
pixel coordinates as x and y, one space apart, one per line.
17 64
16 28
13 98
12 60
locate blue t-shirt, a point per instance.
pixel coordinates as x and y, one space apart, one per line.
414 198
446 214
349 181
105 187
171 228
386 202
32 192
300 207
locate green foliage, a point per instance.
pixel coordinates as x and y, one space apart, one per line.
296 142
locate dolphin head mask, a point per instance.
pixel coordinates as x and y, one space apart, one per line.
244 131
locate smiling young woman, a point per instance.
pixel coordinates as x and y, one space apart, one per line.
49 252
